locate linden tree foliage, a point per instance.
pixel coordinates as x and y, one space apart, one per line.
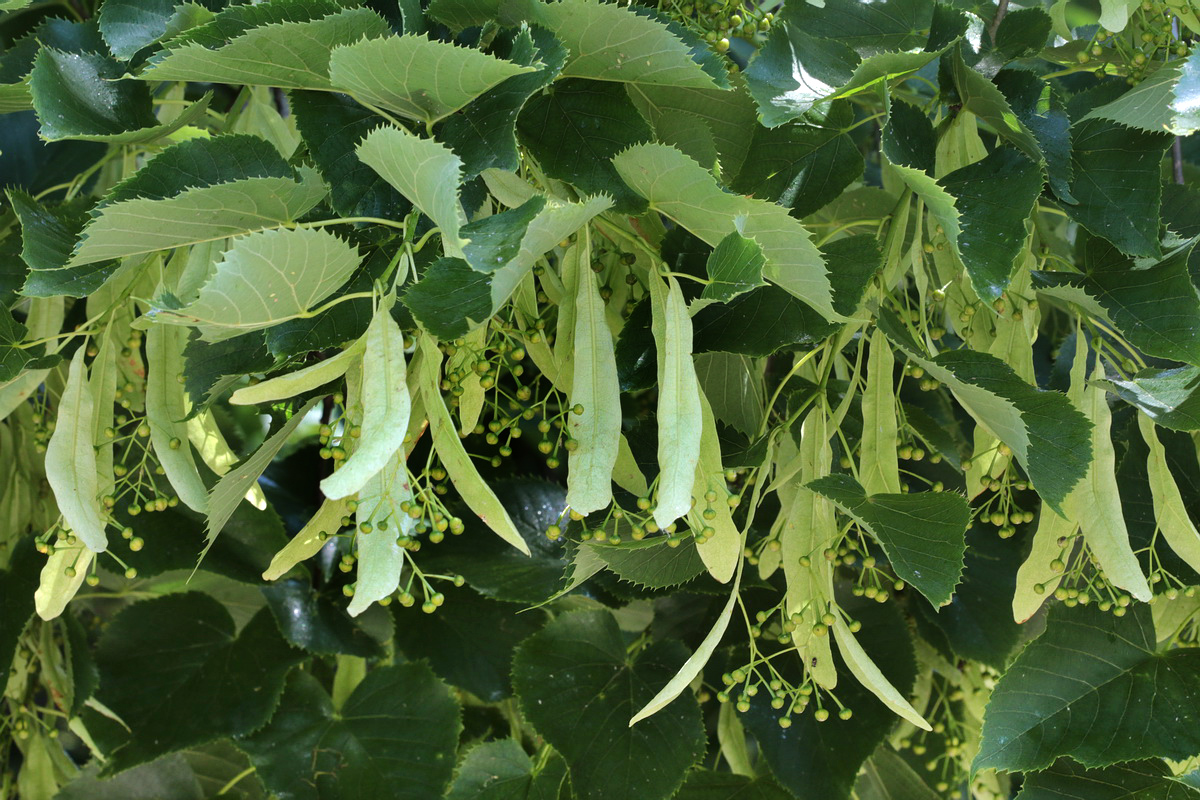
572 399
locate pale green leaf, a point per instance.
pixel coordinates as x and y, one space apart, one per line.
289 55
380 558
417 77
386 407
303 380
167 409
1169 99
610 44
311 538
687 193
265 278
879 468
474 491
71 459
1170 512
594 386
146 225
679 414
426 172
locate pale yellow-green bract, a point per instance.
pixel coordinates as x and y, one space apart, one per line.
471 486
56 587
71 459
309 541
595 387
166 413
380 559
386 407
298 382
1170 513
879 470
679 418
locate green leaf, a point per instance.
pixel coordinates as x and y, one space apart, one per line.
210 368
1023 33
386 407
1036 103
794 71
495 240
1121 700
80 96
650 562
417 77
315 621
483 132
1155 306
450 299
18 582
595 387
1169 99
574 132
265 278
143 225
393 739
734 268
705 785
130 25
425 172
1167 396
47 237
1146 780
985 100
71 460
995 198
730 117
1048 436
891 25
923 535
608 43
735 389
332 125
288 55
178 674
469 642
684 191
579 687
500 770
1117 184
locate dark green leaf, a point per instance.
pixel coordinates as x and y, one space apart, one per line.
130 25
819 760
579 687
985 100
734 267
852 262
978 622
1145 780
705 785
483 134
17 585
757 323
924 534
1116 183
947 26
887 776
794 71
496 240
12 358
496 569
995 198
1155 307
238 18
469 642
576 129
1167 396
867 27
394 739
48 236
1093 687
908 139
175 671
651 563
314 621
501 770
1037 105
449 297
76 94
1023 32
211 367
168 778
332 126
1050 438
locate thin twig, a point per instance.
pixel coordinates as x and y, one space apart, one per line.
1001 10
